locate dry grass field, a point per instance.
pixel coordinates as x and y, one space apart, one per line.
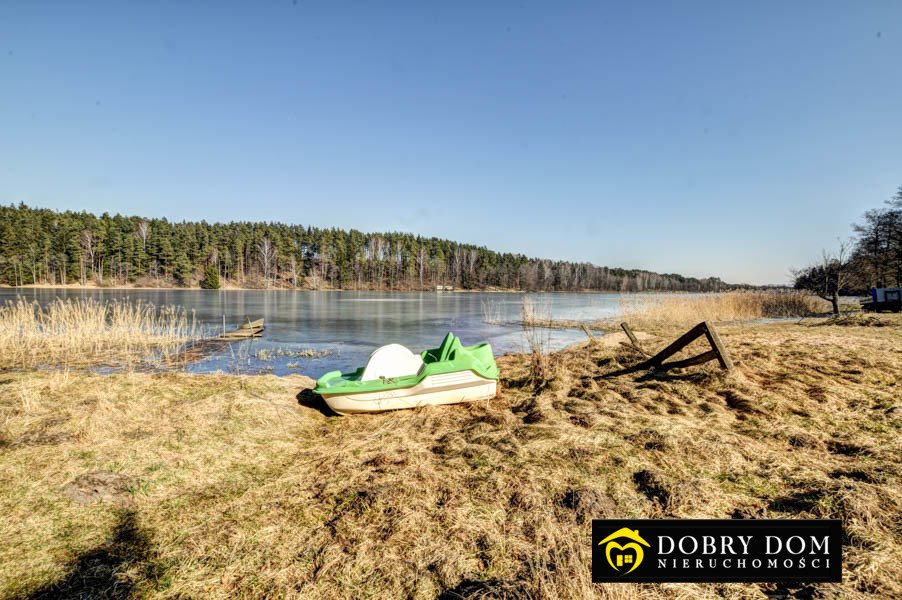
217 486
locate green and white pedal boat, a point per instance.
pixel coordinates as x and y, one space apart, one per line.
394 378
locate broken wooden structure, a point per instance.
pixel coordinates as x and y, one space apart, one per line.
657 362
245 330
201 349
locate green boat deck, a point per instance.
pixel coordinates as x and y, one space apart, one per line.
450 357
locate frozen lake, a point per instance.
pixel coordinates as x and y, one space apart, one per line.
349 325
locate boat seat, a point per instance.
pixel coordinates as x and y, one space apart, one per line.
443 352
393 360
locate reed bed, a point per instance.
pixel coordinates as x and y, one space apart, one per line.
685 310
534 312
85 332
491 312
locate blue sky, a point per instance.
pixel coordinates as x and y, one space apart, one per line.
730 139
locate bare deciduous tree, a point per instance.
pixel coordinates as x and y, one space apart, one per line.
267 253
293 264
86 240
829 278
141 230
422 257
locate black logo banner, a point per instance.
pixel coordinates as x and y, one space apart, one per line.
716 550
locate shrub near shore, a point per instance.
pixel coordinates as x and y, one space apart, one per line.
239 487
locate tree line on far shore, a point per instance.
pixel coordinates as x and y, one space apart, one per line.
41 246
871 258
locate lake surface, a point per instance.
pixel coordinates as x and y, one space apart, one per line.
350 325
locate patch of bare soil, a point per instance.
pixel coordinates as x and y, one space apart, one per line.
100 486
588 504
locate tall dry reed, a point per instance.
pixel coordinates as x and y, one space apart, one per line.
534 316
492 312
82 332
687 310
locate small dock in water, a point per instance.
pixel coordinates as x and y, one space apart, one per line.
201 349
245 330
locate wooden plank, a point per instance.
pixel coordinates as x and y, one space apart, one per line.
722 357
635 348
688 362
240 335
680 343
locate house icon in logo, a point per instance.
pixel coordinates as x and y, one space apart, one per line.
624 555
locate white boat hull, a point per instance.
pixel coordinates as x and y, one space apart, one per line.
447 388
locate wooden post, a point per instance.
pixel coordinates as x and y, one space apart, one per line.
629 333
587 332
634 341
722 357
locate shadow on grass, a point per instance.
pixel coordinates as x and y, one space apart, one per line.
645 375
491 588
100 572
310 399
